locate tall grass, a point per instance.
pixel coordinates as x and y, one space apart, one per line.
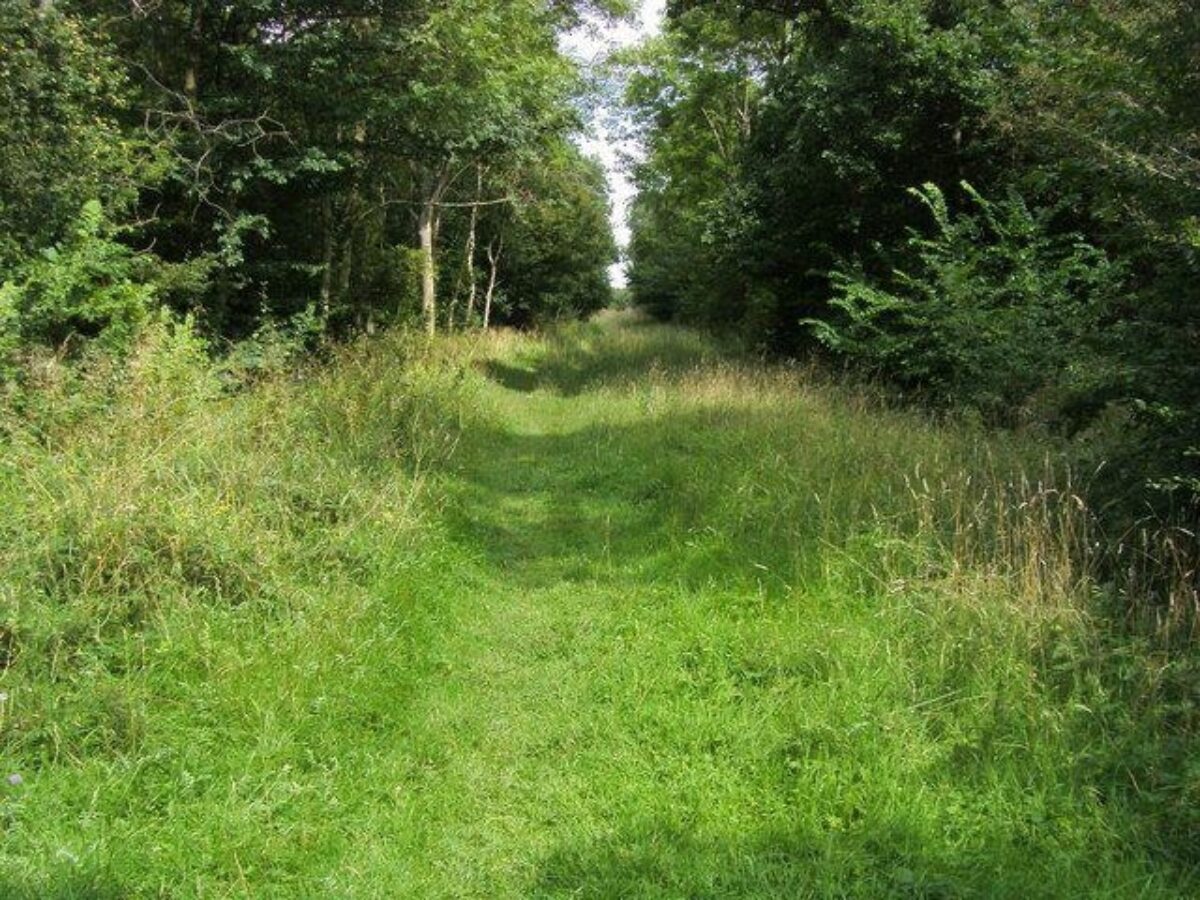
979 545
141 495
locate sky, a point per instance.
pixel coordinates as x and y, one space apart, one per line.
590 44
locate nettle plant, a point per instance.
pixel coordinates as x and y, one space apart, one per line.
989 311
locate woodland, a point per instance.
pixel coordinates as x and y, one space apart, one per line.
362 535
991 206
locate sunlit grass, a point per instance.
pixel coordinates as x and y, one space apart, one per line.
610 612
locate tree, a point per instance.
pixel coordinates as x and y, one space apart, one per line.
312 140
695 94
1078 119
490 86
556 240
61 94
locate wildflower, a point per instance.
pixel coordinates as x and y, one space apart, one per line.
15 779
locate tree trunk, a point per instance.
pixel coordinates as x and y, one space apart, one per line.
494 252
327 258
346 281
428 275
452 311
427 229
191 74
472 292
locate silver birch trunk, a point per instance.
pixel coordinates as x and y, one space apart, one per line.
494 252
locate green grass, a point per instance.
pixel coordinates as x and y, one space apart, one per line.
607 613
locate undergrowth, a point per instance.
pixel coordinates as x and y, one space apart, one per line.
146 496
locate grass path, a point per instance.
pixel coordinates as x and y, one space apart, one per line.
574 727
624 702
665 625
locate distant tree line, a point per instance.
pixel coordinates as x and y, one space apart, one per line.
355 163
993 206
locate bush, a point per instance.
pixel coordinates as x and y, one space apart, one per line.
993 309
87 287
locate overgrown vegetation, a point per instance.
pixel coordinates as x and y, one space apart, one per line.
374 163
796 150
164 540
315 583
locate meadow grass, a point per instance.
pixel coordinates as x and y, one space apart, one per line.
606 612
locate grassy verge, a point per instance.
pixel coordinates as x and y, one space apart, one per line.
603 613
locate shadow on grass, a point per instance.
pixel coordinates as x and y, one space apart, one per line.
663 863
72 886
572 367
514 378
635 502
606 498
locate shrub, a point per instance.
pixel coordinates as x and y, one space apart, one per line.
87 286
993 307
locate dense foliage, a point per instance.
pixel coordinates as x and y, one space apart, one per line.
258 159
614 608
796 151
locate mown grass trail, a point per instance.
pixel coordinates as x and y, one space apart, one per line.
653 681
670 625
